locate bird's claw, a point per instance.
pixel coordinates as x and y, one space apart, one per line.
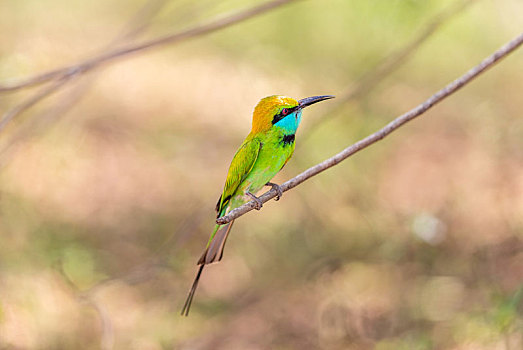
277 188
258 203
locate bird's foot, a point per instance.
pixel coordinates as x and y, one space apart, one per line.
259 203
277 188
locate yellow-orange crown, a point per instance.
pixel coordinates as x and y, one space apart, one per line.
267 108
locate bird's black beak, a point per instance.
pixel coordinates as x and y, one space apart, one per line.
312 100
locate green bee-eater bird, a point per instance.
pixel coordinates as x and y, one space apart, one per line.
261 156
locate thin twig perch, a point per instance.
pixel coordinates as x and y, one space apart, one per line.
382 133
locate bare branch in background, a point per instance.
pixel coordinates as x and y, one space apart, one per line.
177 37
44 118
107 336
137 274
385 131
159 259
107 341
137 25
396 59
392 62
141 21
32 100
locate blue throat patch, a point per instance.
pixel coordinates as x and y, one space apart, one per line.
290 123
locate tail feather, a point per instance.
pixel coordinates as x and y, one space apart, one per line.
222 246
213 253
188 301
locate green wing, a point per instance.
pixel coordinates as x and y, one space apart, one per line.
240 167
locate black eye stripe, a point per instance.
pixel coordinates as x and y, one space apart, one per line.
281 115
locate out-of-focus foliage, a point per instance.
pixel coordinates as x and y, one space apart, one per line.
415 243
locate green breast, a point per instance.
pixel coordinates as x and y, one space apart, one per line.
277 148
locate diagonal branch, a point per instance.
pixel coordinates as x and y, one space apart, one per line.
31 101
104 58
136 26
385 131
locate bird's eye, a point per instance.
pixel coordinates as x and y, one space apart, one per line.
284 111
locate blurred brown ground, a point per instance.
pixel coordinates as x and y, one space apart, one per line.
414 243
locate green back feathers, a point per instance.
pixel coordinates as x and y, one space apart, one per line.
240 167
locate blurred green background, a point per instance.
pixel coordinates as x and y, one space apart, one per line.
414 243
